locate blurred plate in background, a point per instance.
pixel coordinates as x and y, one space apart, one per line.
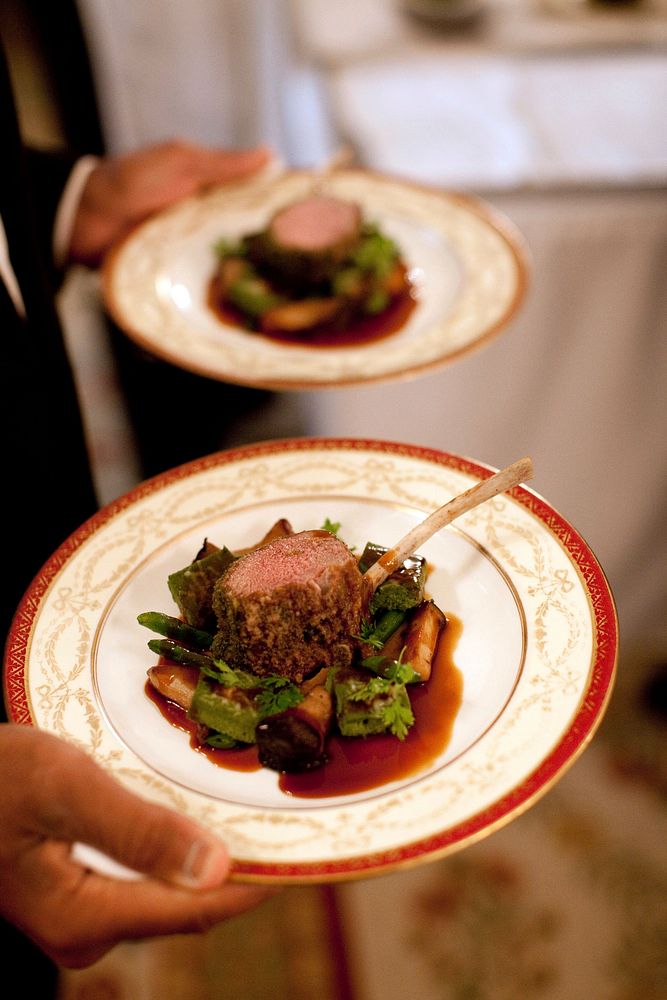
467 264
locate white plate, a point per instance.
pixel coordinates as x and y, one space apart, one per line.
537 650
466 262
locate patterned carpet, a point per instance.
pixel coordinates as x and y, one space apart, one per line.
289 949
569 902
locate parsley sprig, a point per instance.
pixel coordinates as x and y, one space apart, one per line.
274 694
392 670
277 695
397 714
367 635
333 527
222 673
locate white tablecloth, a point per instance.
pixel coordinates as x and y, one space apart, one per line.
481 120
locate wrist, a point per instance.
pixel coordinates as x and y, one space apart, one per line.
99 219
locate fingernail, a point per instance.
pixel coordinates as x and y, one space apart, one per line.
206 865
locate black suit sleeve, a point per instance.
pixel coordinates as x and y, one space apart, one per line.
48 485
47 174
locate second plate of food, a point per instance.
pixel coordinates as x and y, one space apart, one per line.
397 279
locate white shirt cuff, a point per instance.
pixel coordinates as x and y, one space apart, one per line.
69 202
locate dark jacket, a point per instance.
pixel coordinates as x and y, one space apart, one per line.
48 485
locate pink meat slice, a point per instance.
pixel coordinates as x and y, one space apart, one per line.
316 223
289 606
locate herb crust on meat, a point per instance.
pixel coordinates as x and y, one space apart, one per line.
289 608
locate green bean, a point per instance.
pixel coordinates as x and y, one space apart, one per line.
179 654
174 628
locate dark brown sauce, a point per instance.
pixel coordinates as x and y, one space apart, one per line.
357 765
362 331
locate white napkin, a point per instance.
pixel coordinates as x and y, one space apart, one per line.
101 863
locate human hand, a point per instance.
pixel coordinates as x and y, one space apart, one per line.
123 190
54 795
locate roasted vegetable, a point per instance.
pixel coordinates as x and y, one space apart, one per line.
234 702
295 740
366 705
421 640
174 651
207 548
253 296
233 267
231 711
374 253
305 314
191 587
411 644
403 589
175 682
174 628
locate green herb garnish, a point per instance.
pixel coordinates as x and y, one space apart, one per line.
396 712
274 694
222 673
368 636
277 695
333 527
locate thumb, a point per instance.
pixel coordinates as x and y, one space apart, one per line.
152 840
204 866
81 802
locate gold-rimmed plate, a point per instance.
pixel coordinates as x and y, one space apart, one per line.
537 650
466 262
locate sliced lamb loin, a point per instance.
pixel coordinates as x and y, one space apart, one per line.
317 224
290 607
305 241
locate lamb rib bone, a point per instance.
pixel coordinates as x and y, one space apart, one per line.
518 472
